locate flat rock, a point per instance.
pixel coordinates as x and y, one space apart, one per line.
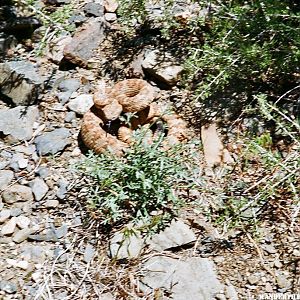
162 67
16 193
85 41
177 234
23 235
4 215
81 104
6 176
18 122
125 246
111 6
214 152
39 188
55 49
20 82
93 9
89 253
110 17
9 227
8 287
53 141
22 222
69 85
193 278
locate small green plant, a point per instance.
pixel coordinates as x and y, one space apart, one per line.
140 186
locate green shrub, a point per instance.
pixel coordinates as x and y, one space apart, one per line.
139 186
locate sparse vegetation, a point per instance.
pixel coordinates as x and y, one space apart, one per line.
139 187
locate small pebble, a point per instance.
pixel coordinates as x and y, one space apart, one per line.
51 203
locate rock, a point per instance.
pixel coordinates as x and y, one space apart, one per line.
39 188
231 292
18 122
89 253
50 236
70 116
93 9
193 278
53 141
62 190
23 235
61 231
42 172
111 6
282 281
69 85
22 222
269 248
16 211
6 177
7 42
81 104
55 49
162 67
253 279
33 253
126 246
110 17
18 162
177 234
84 42
16 193
51 203
4 215
77 19
214 152
8 287
9 227
107 296
20 82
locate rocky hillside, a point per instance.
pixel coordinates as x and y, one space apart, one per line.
215 216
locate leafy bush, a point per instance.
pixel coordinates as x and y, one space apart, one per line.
138 186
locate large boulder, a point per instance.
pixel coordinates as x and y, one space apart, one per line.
20 82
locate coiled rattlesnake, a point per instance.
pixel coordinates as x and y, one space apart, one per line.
133 96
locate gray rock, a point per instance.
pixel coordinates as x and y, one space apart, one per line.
4 215
53 142
9 227
61 231
49 236
33 253
110 17
20 82
23 235
7 42
18 162
231 292
39 188
70 116
89 253
78 19
177 234
253 279
16 211
22 222
16 193
6 177
62 190
162 67
93 9
8 287
69 85
282 281
269 248
42 172
194 278
18 121
51 203
126 246
3 164
85 40
81 104
64 97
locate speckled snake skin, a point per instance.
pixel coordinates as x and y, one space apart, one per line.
131 95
